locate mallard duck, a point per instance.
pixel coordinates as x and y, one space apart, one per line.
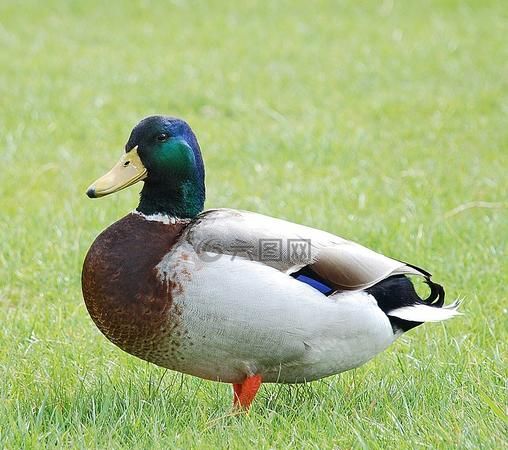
235 296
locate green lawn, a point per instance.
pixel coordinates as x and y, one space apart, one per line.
378 121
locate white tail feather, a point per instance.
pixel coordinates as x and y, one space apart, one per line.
425 313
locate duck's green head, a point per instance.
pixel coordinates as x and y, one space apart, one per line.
164 153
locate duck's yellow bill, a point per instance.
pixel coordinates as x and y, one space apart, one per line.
126 172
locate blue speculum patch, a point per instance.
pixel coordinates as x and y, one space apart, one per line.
318 285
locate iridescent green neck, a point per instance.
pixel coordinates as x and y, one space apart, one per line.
175 185
185 200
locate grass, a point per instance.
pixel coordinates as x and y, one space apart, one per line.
379 121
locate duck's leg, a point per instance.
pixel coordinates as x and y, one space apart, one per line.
244 393
237 390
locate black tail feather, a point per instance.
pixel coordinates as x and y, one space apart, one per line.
398 291
436 296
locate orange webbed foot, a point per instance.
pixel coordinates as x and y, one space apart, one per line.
244 393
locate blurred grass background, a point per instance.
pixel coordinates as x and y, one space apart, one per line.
378 121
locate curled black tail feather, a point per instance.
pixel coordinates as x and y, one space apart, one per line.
398 291
436 296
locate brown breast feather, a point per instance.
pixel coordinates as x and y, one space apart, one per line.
124 296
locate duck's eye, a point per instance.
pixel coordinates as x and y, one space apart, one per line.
163 137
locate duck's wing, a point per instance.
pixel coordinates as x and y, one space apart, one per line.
289 247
